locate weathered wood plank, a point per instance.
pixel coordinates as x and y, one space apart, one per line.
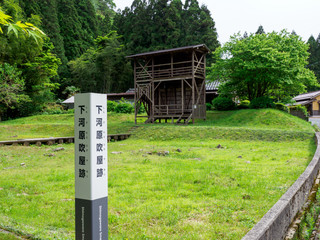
60 140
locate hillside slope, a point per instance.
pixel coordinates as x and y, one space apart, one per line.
262 124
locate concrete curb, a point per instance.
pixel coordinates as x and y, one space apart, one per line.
275 223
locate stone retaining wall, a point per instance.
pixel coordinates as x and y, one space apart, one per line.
275 223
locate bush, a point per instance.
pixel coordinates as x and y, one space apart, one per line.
208 106
141 108
111 106
262 102
282 107
124 107
223 103
53 108
244 104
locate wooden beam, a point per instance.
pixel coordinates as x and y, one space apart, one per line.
185 80
201 90
135 91
199 63
153 90
193 83
144 70
171 64
182 96
157 86
204 100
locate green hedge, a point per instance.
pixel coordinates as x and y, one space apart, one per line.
262 102
223 104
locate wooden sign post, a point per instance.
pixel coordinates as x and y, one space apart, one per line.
91 166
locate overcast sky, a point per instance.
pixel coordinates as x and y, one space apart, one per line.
233 16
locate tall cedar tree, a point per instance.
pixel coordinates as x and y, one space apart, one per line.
260 30
314 59
160 24
72 26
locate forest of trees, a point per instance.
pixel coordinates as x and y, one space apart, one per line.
84 44
50 49
314 58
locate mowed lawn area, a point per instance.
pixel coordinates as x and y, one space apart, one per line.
59 125
211 180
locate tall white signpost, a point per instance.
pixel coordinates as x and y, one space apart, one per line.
91 166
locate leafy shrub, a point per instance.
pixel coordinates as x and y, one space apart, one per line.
262 102
124 107
301 108
282 107
111 106
223 103
53 108
141 109
208 106
244 104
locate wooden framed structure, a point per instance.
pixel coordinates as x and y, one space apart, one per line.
170 84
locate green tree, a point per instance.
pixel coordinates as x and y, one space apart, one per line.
11 87
162 24
102 68
9 27
48 12
27 48
260 30
71 26
314 59
272 64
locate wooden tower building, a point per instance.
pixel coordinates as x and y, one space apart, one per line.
170 84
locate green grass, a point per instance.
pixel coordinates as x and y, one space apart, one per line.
59 125
202 192
255 119
7 236
249 122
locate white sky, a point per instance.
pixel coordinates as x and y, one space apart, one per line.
233 16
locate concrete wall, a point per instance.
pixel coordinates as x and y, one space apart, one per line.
275 223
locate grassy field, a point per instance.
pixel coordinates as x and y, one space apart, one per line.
195 191
60 125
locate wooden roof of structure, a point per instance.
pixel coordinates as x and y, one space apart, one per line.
200 47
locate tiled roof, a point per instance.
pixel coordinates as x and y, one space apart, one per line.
211 86
307 96
302 102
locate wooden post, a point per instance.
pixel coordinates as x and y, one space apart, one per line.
171 64
152 89
193 86
182 96
205 89
135 91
